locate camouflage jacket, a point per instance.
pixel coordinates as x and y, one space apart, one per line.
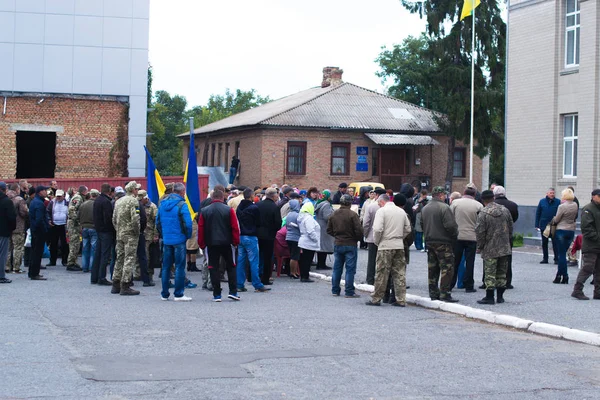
126 217
493 231
74 204
151 230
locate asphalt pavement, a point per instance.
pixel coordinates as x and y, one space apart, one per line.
64 338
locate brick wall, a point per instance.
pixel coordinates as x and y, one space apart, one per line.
91 140
263 158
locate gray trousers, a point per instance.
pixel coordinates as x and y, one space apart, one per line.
4 242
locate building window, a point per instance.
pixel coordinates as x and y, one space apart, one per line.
572 25
570 146
237 149
375 161
227 162
460 163
296 158
340 158
212 155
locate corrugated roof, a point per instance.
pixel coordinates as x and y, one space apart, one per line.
346 106
395 139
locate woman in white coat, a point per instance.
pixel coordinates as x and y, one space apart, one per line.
310 238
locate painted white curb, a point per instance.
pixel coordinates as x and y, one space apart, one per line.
540 328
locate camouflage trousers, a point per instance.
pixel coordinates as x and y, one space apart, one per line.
126 250
74 241
390 262
440 262
17 249
495 272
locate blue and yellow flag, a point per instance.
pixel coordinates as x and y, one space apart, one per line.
156 187
468 8
190 179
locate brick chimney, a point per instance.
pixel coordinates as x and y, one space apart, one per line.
332 76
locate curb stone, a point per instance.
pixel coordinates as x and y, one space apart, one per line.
540 328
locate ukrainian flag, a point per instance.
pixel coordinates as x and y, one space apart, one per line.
156 187
468 8
190 179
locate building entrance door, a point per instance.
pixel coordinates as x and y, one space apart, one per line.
393 168
36 154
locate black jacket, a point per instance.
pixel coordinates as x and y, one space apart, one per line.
8 216
38 218
103 211
270 219
218 226
511 205
143 219
248 217
590 228
408 191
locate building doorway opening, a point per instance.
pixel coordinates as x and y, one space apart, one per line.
36 154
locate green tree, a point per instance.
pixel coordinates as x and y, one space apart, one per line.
434 71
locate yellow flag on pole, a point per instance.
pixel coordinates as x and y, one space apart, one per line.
468 8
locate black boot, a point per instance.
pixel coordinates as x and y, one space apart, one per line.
499 295
557 279
189 266
193 267
565 279
489 297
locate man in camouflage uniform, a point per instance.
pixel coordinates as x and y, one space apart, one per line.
151 232
126 220
493 231
17 239
390 227
440 231
74 228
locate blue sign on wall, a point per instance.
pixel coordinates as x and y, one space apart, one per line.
362 167
362 150
362 159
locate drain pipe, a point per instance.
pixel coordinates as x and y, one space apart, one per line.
4 108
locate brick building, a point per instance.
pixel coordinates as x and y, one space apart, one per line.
337 132
553 101
73 88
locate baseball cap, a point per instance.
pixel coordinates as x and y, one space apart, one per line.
40 188
95 192
60 192
439 190
294 195
119 189
287 190
3 185
596 192
379 191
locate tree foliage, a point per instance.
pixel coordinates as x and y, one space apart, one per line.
434 71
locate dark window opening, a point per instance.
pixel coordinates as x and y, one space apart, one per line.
460 163
227 160
36 154
237 149
212 155
296 158
340 158
375 161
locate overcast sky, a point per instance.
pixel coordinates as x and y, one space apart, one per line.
278 47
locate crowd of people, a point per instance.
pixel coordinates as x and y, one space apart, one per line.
244 233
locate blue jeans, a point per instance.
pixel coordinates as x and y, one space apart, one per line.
419 240
170 252
90 237
232 174
563 240
344 255
248 251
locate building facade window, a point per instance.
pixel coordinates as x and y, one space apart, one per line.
227 162
340 158
460 163
570 146
572 25
375 161
296 158
212 155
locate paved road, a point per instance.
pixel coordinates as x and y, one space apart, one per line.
67 339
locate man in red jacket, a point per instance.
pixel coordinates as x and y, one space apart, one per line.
218 234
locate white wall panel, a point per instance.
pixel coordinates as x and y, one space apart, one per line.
117 32
58 69
7 27
139 72
36 6
7 5
89 7
141 9
88 31
29 28
6 66
118 8
59 29
116 64
60 7
139 38
28 67
87 70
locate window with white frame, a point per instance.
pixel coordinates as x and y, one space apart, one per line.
572 25
570 146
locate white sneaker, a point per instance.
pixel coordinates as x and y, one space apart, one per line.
423 251
183 298
164 298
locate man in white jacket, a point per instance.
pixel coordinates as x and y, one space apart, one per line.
390 227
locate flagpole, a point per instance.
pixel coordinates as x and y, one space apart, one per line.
472 96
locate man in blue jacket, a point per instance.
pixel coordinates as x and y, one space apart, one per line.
174 223
546 210
39 225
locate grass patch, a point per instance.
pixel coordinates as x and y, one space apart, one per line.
518 240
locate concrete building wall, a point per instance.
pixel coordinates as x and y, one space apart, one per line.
79 47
